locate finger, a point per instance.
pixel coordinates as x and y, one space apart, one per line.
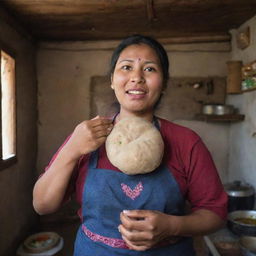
103 130
138 214
135 247
104 127
132 223
102 133
100 121
96 117
133 243
137 237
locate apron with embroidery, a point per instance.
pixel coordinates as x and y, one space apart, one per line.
108 192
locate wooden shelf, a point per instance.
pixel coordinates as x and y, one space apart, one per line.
220 118
249 90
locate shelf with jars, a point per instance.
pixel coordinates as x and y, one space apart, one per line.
241 78
249 77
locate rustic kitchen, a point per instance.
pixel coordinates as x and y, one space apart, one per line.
55 56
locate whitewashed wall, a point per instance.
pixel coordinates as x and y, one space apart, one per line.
242 158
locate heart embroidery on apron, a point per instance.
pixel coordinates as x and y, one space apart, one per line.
132 193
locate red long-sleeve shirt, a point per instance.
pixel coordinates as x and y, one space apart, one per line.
188 160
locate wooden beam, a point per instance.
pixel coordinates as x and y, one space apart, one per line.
150 10
6 17
196 39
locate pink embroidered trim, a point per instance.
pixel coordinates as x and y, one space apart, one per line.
132 193
113 242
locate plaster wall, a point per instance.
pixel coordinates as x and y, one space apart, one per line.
64 73
17 217
242 161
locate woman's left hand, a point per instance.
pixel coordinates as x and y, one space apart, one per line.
142 229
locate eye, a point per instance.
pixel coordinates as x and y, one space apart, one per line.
126 67
150 69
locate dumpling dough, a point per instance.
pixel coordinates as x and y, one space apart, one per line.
135 146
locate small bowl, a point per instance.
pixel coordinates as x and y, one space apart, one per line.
239 228
217 109
248 245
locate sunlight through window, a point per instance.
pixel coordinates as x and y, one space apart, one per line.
8 106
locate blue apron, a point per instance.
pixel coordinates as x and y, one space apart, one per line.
108 192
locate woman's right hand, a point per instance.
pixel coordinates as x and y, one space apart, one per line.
88 136
50 189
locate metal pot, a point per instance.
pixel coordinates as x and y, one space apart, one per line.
238 227
241 196
248 245
217 109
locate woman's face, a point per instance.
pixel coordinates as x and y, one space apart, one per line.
137 79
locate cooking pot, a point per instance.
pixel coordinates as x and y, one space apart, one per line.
241 196
217 109
237 224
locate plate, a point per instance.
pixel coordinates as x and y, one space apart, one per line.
41 242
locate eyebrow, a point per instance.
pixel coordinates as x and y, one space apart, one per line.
146 62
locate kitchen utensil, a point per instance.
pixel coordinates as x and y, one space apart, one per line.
236 222
217 109
248 245
241 196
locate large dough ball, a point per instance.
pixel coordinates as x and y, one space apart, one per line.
135 146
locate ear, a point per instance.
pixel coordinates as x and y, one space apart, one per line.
111 78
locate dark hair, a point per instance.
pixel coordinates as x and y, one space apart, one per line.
139 39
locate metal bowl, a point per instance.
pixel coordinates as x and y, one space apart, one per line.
217 109
239 228
248 245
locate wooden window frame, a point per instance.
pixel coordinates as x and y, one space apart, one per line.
4 164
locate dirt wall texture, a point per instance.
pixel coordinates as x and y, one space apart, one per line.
17 217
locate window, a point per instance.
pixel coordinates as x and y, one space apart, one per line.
8 111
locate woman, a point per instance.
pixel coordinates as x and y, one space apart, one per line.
139 74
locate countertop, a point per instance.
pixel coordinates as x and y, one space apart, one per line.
223 243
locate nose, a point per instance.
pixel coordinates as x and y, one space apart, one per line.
137 77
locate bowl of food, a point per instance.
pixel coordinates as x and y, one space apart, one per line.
248 245
41 242
242 222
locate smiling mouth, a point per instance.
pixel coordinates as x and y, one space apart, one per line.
135 92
